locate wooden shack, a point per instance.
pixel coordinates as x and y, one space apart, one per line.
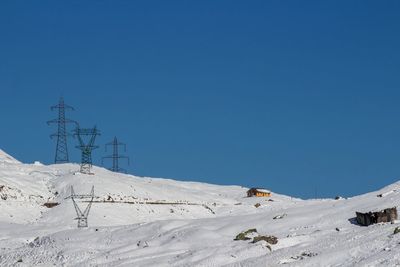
258 192
386 215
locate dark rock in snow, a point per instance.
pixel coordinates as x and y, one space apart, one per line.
268 238
280 216
243 235
396 230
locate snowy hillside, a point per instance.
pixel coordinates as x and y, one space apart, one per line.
141 221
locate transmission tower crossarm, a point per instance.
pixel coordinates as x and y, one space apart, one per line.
61 105
73 195
64 106
113 144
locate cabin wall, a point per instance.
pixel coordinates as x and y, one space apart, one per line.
261 194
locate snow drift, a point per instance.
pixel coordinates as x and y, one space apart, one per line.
141 221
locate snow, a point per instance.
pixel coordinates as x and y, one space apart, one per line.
142 221
262 190
5 158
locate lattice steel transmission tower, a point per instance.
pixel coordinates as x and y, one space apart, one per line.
82 217
90 135
115 155
62 148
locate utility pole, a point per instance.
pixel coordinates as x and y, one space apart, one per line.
86 148
61 148
115 155
82 217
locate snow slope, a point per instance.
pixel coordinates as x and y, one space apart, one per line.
141 221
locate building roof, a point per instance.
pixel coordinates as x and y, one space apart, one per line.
262 190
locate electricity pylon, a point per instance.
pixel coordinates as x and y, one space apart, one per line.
86 148
82 217
62 148
115 155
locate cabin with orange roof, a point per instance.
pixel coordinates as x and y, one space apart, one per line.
258 192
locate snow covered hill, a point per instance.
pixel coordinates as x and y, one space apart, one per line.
141 221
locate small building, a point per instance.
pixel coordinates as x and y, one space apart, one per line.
258 192
386 215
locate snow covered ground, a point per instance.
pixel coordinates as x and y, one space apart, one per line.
141 221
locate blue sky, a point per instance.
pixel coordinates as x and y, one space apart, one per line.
301 97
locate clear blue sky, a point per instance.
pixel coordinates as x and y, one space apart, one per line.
294 96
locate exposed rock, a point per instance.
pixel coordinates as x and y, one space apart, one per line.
51 204
268 238
396 230
144 244
368 218
304 255
35 242
257 205
280 216
243 235
309 254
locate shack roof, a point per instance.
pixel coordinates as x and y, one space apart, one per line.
262 190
